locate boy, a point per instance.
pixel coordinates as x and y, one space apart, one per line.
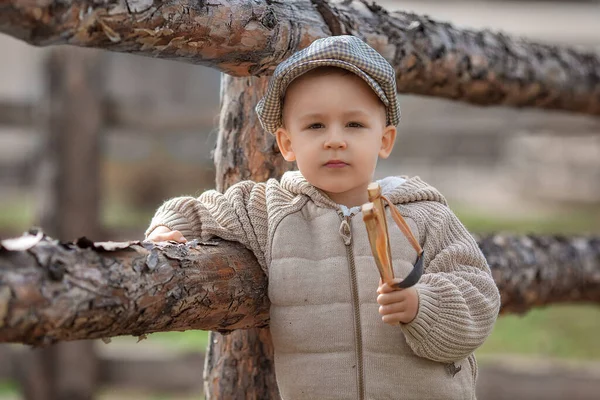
333 110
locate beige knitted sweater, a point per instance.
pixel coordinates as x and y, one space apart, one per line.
330 342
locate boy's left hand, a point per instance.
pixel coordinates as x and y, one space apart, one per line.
397 306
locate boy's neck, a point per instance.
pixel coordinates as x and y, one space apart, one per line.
351 198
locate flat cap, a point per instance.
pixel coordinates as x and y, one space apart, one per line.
347 52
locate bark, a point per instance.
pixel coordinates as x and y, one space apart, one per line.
533 271
240 365
244 38
235 36
51 291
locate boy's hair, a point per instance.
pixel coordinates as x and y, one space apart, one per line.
346 52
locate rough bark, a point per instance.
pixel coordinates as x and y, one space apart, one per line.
249 38
533 271
51 291
240 365
243 150
236 36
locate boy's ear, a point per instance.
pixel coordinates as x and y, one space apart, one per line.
387 141
284 142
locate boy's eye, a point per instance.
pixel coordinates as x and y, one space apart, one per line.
355 125
317 125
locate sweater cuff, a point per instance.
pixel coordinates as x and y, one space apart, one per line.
172 220
427 317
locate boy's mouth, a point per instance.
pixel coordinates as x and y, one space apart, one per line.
336 164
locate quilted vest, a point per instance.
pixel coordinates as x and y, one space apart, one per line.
329 339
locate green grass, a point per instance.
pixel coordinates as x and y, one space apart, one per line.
584 221
16 215
565 332
8 388
188 340
116 215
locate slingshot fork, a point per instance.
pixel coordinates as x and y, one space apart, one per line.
377 230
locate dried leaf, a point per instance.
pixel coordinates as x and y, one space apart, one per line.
114 246
22 243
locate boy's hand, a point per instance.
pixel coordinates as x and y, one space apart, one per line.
397 306
164 234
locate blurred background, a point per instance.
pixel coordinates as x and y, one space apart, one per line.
154 125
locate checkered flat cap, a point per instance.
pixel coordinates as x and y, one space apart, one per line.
347 52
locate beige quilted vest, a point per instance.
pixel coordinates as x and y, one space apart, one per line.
330 342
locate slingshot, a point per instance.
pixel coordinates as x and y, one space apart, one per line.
377 230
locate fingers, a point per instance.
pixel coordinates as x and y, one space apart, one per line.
392 308
395 319
392 297
178 237
164 234
399 306
386 288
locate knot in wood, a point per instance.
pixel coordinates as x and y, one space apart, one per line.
56 270
269 19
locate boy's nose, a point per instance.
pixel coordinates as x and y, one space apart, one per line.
335 140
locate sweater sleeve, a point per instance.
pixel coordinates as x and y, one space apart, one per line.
458 298
239 214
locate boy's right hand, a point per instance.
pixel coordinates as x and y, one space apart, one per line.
164 234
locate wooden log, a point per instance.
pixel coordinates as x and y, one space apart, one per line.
244 38
52 291
533 271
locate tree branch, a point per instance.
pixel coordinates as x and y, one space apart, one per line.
533 271
50 291
245 38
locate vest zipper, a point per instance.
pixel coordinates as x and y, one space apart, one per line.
346 232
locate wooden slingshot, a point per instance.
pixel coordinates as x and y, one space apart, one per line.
377 230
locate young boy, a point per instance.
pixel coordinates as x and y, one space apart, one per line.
336 333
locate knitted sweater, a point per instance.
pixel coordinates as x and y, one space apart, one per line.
329 340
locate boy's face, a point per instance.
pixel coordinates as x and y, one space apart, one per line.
335 129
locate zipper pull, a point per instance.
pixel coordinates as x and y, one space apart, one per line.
346 231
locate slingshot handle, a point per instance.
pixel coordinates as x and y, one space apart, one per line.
378 240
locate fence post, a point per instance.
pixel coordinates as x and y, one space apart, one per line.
68 201
240 365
